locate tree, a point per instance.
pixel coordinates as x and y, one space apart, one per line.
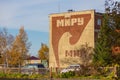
6 41
20 48
113 10
86 53
102 49
108 36
101 56
43 52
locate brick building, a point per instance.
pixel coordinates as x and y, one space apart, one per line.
68 31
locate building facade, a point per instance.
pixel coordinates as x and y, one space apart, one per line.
70 30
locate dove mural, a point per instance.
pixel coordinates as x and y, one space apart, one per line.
66 29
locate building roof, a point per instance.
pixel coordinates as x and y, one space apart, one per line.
33 58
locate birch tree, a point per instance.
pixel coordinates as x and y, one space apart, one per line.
6 41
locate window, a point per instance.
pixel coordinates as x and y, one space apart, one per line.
99 22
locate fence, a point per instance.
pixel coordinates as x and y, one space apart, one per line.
25 70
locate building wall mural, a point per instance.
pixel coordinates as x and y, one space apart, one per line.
67 32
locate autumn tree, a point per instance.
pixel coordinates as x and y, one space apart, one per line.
43 52
109 36
114 12
20 48
6 41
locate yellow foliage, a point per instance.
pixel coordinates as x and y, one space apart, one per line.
43 52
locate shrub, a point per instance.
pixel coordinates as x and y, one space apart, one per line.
67 74
2 75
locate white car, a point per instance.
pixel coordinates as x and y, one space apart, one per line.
75 67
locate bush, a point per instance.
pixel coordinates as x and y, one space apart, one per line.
67 74
2 75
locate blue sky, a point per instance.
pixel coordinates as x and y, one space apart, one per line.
34 16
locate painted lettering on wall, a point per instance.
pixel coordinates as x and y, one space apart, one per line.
70 22
72 53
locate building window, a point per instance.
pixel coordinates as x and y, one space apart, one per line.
99 22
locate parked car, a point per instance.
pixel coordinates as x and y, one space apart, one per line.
75 67
34 69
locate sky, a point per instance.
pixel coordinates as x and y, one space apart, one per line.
34 16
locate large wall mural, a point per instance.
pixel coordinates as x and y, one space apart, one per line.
66 30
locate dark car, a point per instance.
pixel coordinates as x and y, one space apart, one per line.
34 69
